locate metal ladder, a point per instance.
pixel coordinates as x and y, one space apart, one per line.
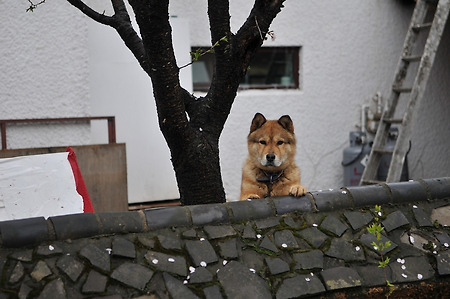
436 28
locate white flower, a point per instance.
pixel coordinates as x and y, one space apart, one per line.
203 264
315 225
171 260
446 244
414 206
307 279
224 262
380 214
419 276
357 248
252 270
284 245
403 267
185 282
258 236
375 247
191 269
155 261
404 275
202 239
51 248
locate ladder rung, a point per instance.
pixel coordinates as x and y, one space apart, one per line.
382 150
401 89
371 182
393 120
418 27
412 58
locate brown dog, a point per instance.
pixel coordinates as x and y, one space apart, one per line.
270 169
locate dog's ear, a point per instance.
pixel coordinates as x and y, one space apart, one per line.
286 122
257 122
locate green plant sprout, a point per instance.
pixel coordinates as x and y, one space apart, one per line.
375 229
200 52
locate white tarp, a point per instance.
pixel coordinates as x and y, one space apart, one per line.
39 185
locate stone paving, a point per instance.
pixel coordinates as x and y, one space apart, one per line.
314 246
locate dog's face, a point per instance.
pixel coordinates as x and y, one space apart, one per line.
271 143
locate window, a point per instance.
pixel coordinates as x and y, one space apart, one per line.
272 67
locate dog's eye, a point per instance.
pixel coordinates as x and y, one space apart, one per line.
280 142
263 142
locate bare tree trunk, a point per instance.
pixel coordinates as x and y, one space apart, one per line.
191 126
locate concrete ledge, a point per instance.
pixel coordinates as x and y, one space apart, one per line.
23 232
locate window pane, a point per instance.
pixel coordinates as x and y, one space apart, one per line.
270 68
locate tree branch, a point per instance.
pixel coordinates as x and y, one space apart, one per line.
101 18
121 22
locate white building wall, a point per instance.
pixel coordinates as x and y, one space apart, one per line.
349 51
44 72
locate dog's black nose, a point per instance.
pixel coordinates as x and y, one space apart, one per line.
270 157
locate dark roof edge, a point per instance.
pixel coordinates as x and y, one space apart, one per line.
31 231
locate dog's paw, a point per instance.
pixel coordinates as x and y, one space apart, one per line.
250 196
297 190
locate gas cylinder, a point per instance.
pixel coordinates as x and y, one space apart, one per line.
354 158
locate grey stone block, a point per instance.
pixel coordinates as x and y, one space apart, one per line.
276 265
443 262
372 275
287 204
219 231
234 274
23 232
333 225
200 275
407 192
285 239
75 226
98 258
70 266
395 220
201 252
358 219
250 210
54 289
167 262
423 220
177 289
410 269
133 275
300 286
122 222
95 283
209 214
308 260
331 200
367 240
372 195
313 236
346 251
167 217
212 292
267 223
266 243
437 188
228 249
340 278
124 248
